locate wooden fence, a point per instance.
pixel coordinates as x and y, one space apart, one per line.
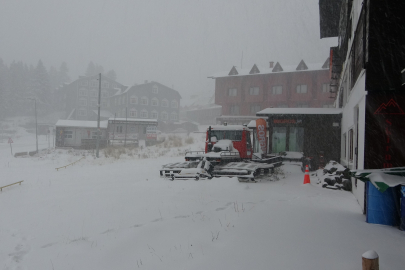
19 182
69 164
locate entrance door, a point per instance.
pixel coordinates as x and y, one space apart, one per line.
296 139
279 137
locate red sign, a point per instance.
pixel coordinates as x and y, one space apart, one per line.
261 134
391 107
10 140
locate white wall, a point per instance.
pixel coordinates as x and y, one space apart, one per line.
356 99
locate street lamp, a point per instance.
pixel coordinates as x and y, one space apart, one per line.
36 121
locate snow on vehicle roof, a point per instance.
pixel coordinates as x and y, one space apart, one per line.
228 127
299 111
79 123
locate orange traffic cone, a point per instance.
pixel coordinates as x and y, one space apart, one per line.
307 180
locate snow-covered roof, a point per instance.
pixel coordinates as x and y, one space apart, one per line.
79 123
252 124
247 117
103 113
300 111
268 70
132 119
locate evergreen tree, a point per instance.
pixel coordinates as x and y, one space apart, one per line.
94 69
91 69
42 87
112 75
5 105
63 73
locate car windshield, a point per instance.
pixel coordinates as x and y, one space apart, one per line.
233 135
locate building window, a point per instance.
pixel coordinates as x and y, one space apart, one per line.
254 108
254 91
326 88
84 83
104 94
173 116
144 101
82 102
94 134
83 92
174 104
164 116
327 105
344 146
105 85
68 134
155 102
155 89
144 114
133 100
119 129
232 92
93 103
93 93
93 84
165 103
302 105
82 112
277 90
154 115
133 113
302 88
234 110
351 134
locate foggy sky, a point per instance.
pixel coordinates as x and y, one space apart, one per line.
175 42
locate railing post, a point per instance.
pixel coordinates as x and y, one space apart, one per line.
370 260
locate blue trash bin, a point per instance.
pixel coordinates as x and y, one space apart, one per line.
382 207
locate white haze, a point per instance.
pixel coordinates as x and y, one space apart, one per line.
178 43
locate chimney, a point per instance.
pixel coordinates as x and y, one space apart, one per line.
271 64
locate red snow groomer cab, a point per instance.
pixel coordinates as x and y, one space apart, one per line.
225 144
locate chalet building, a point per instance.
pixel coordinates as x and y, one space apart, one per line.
366 79
247 91
79 99
150 100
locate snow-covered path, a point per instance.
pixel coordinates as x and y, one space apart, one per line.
118 214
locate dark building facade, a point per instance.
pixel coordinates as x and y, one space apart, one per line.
80 98
150 100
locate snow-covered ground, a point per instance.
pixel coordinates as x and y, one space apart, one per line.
117 213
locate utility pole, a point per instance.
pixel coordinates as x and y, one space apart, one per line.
36 120
126 123
36 123
98 117
114 127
